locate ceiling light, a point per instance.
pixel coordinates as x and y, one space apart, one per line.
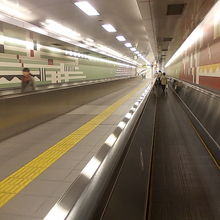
109 27
133 49
15 10
87 8
58 28
121 38
64 39
128 45
136 52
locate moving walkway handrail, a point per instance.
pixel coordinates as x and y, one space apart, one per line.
197 88
82 198
53 86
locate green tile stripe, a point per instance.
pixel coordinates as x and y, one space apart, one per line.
75 74
14 45
54 58
10 68
51 52
15 52
71 80
18 85
34 61
94 63
52 69
9 60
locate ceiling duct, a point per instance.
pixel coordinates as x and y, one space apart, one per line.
175 9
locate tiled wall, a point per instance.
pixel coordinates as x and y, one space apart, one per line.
52 67
200 62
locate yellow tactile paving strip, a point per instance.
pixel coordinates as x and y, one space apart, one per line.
17 181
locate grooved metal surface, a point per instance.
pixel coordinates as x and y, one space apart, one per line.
185 181
130 192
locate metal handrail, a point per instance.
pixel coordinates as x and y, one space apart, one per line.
53 87
204 91
79 202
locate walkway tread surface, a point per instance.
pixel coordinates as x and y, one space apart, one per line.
185 181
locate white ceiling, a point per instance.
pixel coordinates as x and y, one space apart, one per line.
144 23
124 15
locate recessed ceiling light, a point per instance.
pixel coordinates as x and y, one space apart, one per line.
121 38
87 8
128 45
136 52
133 49
109 27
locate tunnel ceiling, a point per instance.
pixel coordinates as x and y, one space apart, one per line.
173 21
155 27
124 15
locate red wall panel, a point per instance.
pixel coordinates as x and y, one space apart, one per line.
210 81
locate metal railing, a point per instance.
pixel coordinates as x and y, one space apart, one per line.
81 199
197 88
16 90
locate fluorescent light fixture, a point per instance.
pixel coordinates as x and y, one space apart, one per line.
90 40
58 28
195 36
39 30
30 45
87 8
128 45
133 49
109 27
136 52
53 49
212 18
121 38
15 10
64 39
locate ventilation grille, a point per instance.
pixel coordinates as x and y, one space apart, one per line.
175 9
57 44
165 50
87 53
167 38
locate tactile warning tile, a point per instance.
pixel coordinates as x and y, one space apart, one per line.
17 181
